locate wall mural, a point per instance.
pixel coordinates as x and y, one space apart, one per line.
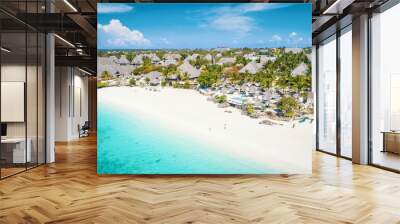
204 88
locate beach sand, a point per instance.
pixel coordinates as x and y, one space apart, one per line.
187 112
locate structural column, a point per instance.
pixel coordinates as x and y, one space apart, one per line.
50 92
50 99
360 89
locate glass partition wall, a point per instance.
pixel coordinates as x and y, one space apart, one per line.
327 95
22 77
385 89
345 91
334 105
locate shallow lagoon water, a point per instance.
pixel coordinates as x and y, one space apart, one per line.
128 144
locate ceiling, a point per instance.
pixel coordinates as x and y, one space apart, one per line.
75 21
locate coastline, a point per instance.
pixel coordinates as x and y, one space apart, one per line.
187 112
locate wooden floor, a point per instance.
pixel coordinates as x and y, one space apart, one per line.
70 191
387 159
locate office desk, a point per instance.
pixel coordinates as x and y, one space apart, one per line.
391 141
19 155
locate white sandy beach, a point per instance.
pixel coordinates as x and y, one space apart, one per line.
188 112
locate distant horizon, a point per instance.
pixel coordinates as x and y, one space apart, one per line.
203 26
213 48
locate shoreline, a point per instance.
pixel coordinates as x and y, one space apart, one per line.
232 133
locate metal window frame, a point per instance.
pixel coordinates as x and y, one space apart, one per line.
387 5
44 75
339 32
381 9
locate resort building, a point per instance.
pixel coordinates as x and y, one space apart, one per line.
187 69
153 78
293 50
251 56
301 69
169 61
51 71
172 56
226 61
264 59
208 57
154 58
123 60
251 67
137 60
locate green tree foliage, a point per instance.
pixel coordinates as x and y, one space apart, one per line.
250 109
288 105
199 61
247 50
106 75
146 67
221 99
160 54
138 70
227 53
146 62
301 83
186 85
265 78
132 82
169 70
241 60
102 53
130 56
101 85
183 76
184 55
210 76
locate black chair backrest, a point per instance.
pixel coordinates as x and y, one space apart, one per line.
86 125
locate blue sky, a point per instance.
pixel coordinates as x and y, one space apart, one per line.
203 25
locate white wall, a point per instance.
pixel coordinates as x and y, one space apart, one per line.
71 94
33 126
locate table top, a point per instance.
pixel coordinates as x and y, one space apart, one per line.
13 140
391 132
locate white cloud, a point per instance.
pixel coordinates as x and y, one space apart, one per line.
276 38
247 8
294 38
113 8
165 41
235 18
234 23
119 35
256 7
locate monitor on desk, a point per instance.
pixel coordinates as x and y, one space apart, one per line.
3 130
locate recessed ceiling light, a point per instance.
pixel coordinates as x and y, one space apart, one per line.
5 50
86 72
70 5
64 40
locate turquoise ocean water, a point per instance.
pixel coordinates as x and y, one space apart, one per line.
130 145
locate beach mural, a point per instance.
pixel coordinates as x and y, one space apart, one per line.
204 88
